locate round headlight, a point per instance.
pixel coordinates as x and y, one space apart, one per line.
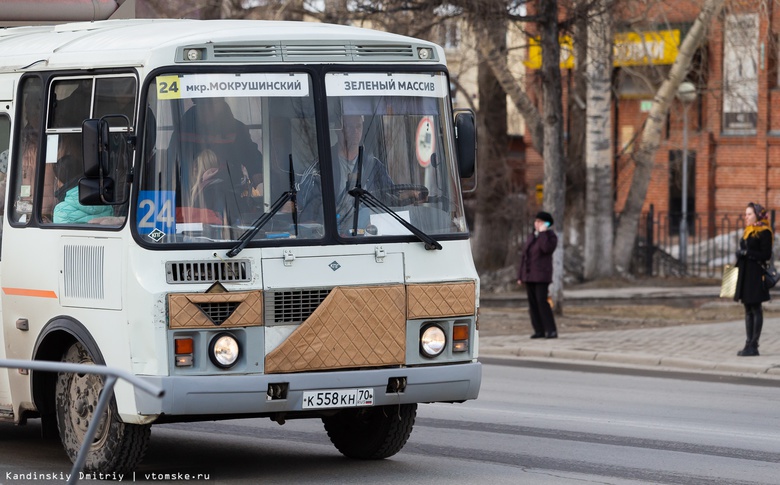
224 350
432 341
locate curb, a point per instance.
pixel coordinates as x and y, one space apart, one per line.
646 361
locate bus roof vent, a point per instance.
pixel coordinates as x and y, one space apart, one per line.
304 51
292 307
384 52
242 52
316 51
177 272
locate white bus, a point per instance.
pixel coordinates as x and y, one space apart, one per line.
264 219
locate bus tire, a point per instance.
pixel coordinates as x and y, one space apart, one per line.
118 446
371 433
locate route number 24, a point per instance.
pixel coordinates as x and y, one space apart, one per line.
155 213
166 88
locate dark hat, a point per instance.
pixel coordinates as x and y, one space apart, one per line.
545 217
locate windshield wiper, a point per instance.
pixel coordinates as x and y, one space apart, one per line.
359 193
290 195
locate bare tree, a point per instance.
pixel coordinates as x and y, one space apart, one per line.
492 213
575 151
599 199
552 151
625 236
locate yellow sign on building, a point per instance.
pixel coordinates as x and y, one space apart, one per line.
630 49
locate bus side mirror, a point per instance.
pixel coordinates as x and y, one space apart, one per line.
94 138
466 142
106 165
96 191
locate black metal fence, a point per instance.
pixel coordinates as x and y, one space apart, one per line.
712 240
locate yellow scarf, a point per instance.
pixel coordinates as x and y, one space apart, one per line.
754 230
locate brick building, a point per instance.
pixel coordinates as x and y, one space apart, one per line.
733 124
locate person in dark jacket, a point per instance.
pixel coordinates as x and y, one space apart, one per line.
68 171
755 250
536 273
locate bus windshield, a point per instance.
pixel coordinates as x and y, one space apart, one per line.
389 135
220 150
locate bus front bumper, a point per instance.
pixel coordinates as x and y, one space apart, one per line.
248 394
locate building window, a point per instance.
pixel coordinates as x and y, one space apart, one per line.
740 74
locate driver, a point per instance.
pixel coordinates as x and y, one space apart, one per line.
210 124
374 177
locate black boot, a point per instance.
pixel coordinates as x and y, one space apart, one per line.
748 332
758 324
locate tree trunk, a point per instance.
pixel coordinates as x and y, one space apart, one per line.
625 237
599 194
492 214
575 151
552 108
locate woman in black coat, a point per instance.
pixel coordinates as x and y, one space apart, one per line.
755 250
536 273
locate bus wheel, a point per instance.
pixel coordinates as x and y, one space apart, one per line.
371 433
117 447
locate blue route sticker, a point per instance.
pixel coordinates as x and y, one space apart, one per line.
156 214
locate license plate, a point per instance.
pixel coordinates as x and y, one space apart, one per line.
343 398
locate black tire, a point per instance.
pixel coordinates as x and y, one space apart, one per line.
371 433
117 447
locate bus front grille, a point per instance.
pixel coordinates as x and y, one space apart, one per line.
289 307
207 271
218 312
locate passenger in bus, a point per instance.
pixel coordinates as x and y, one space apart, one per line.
374 176
67 171
212 193
210 124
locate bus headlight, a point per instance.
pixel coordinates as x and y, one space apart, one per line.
432 340
224 350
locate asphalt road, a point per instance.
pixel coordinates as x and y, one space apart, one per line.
530 425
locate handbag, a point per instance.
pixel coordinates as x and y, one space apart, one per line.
728 284
770 276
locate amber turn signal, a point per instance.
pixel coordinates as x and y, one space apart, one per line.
460 332
183 345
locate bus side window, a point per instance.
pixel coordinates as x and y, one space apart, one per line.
115 96
65 173
23 189
70 106
70 103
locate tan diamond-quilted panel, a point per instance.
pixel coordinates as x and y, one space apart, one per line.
440 300
352 327
183 310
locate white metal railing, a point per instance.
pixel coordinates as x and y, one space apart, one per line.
111 376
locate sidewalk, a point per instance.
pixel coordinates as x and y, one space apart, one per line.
709 348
